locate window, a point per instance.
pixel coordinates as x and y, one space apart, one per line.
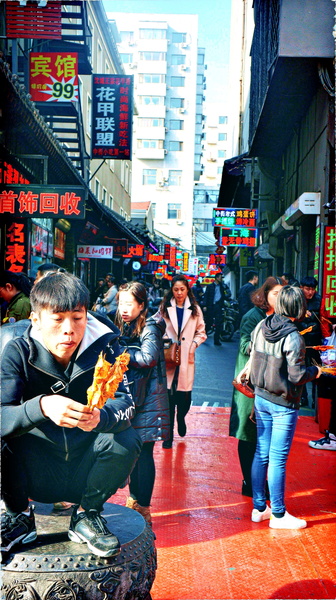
148 122
176 124
178 38
150 143
107 67
176 102
152 34
147 100
174 211
177 81
111 201
222 120
198 119
152 56
151 78
112 164
178 59
199 99
200 59
198 138
153 209
174 145
104 196
222 137
99 58
175 177
97 186
126 57
219 170
126 36
149 177
200 79
221 153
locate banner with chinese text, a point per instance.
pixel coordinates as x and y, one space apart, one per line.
239 237
112 113
53 76
234 217
15 254
43 201
328 307
95 252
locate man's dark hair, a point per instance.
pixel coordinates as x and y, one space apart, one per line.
59 292
249 275
50 267
309 282
218 274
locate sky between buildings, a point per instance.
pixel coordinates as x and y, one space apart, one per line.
213 27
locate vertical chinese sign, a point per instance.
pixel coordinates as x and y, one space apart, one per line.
328 308
15 257
112 113
53 76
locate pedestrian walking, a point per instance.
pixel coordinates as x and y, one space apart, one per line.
278 372
54 446
242 426
214 297
185 324
146 373
314 337
244 295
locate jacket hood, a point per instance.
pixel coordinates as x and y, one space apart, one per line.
157 320
275 327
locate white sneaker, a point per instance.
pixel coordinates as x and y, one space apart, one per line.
287 522
258 516
326 443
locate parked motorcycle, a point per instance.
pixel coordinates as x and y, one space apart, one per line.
230 314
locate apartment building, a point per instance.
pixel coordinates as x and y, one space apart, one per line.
215 143
162 53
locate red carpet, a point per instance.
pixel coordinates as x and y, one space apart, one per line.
208 548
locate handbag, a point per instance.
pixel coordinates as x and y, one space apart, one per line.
172 352
242 380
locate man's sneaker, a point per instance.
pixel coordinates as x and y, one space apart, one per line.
287 522
258 516
326 443
90 528
17 529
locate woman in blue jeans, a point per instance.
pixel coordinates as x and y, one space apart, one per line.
278 373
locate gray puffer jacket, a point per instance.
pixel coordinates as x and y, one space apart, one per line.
147 379
278 370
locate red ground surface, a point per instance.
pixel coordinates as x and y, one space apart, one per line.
208 548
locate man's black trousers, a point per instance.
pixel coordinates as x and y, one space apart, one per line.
31 470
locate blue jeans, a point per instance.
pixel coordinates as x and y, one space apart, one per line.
275 431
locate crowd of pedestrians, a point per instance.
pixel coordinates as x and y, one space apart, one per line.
53 332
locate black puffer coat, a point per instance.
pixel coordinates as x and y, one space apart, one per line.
147 379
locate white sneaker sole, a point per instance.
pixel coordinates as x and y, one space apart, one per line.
24 539
79 539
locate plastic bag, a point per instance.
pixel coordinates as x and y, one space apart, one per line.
328 357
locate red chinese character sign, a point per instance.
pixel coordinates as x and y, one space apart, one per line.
328 307
239 237
112 113
43 201
53 76
15 256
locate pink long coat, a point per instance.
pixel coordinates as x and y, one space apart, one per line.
193 328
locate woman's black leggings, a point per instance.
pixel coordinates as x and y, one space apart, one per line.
143 475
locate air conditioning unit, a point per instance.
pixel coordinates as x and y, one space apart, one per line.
165 179
166 151
131 43
181 110
184 45
166 129
168 42
183 67
161 183
179 222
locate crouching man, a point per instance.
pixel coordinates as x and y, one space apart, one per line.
54 448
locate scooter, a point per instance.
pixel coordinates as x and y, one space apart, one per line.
230 314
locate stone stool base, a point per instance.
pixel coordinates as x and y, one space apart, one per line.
54 568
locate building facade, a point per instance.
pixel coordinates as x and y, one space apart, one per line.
162 53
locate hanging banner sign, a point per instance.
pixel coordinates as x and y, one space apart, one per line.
234 217
112 112
167 252
53 76
239 237
328 307
193 266
43 201
15 254
172 259
185 259
217 259
135 250
95 252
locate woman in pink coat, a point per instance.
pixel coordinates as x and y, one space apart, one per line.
184 322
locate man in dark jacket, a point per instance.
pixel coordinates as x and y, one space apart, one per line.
312 338
54 446
244 294
214 297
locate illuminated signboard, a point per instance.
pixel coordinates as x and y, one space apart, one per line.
172 259
234 217
239 236
185 263
94 251
328 307
135 250
43 201
53 76
15 257
167 252
217 259
120 246
112 114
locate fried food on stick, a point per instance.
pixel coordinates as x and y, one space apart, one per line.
308 330
106 379
321 348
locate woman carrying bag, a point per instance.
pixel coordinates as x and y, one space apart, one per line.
148 384
185 325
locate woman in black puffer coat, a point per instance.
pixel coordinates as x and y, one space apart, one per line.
148 384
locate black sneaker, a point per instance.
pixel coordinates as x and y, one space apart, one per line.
90 528
17 529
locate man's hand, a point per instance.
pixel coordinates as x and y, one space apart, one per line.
69 413
319 372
